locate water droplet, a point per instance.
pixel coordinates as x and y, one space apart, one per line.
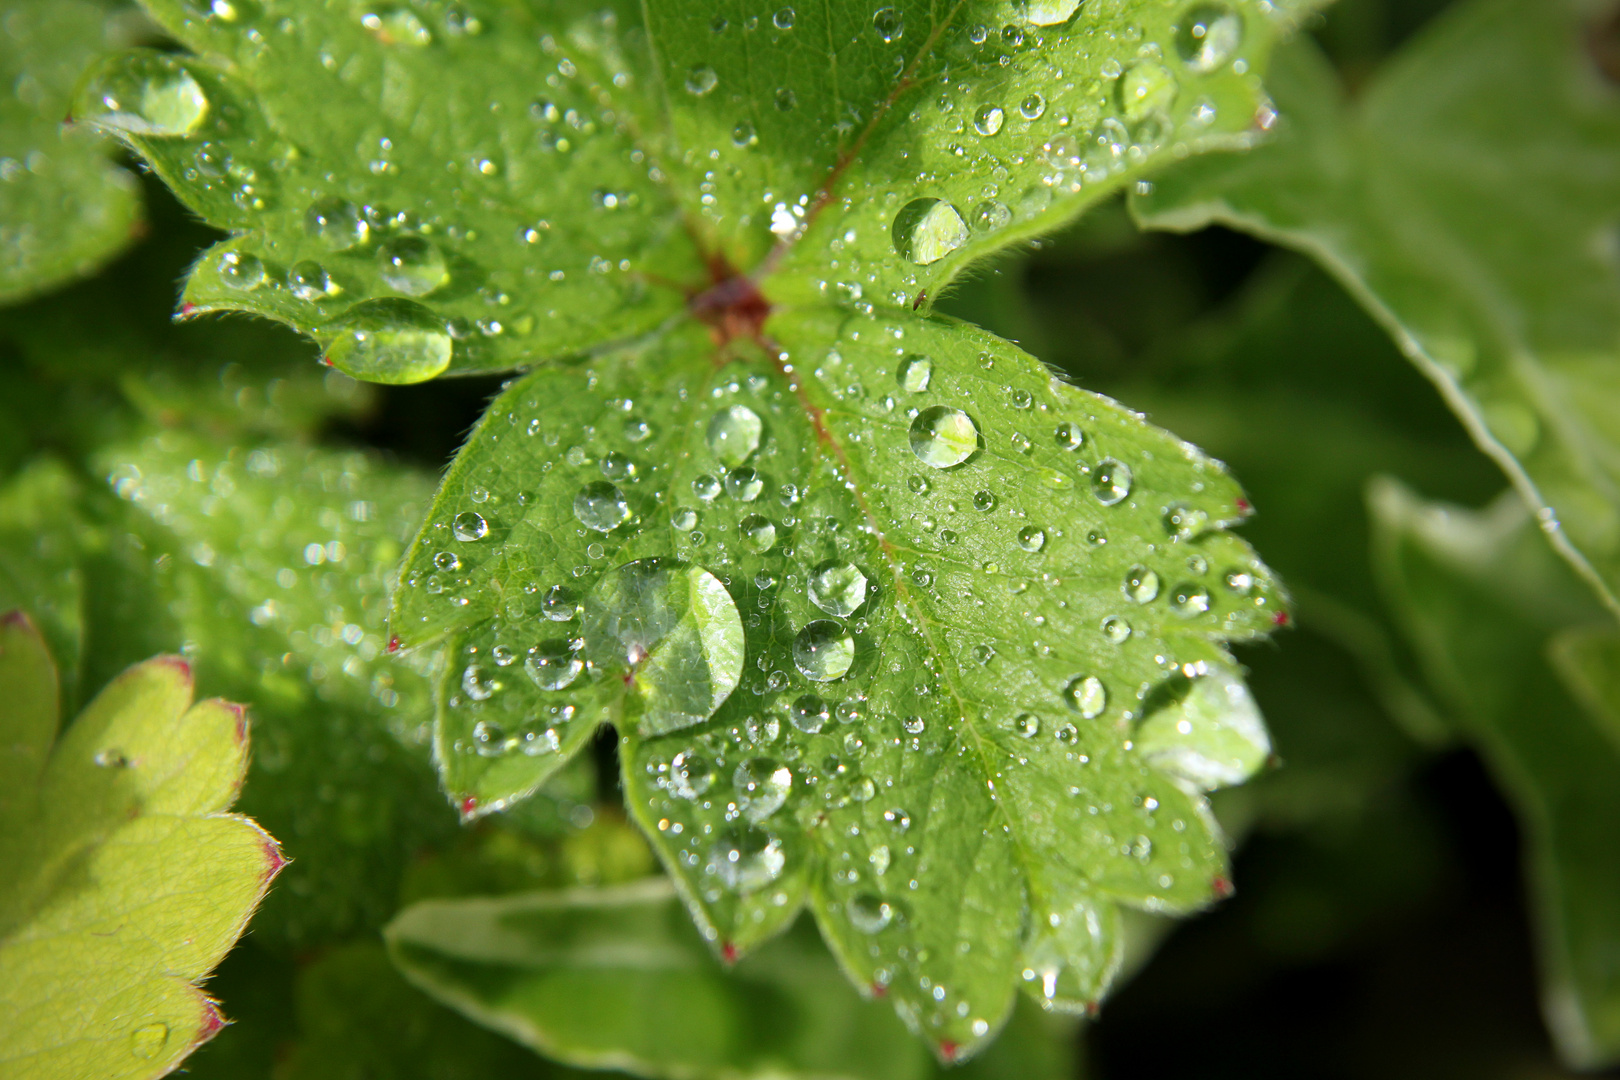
1110 481
706 487
1116 629
1207 733
469 526
824 651
734 434
1189 600
685 519
914 373
943 437
889 24
898 819
1145 89
837 588
988 120
785 100
148 1041
601 506
809 714
241 271
308 280
1184 523
758 533
145 93
617 466
411 265
743 135
336 224
762 787
991 215
1141 584
676 630
984 652
1067 734
1032 107
1069 437
1027 725
1031 539
554 664
397 26
918 485
388 341
447 561
984 501
690 775
1049 12
701 80
926 230
559 604
637 430
746 859
744 484
1240 582
783 19
869 913
1086 695
1208 37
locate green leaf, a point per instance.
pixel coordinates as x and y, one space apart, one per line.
268 564
618 978
1481 597
947 661
123 881
65 208
475 186
1589 663
1466 197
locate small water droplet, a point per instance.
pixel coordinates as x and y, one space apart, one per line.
637 430
1069 437
1189 600
690 775
601 506
988 120
469 526
991 215
743 135
309 280
785 100
869 913
783 19
837 588
734 434
685 519
706 487
1208 36
758 533
397 26
559 604
762 787
1146 88
148 1041
1031 539
1032 107
1184 523
984 501
1116 629
943 437
145 93
701 80
1141 584
744 484
809 714
412 266
746 859
554 664
889 24
241 271
1027 725
898 819
824 651
1240 582
926 230
914 373
336 224
1086 695
1111 481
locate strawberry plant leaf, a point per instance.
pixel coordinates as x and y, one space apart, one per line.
124 880
1481 597
1467 199
982 613
618 978
65 208
404 186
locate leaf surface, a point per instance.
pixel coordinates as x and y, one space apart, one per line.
1482 598
123 881
1467 198
65 208
618 978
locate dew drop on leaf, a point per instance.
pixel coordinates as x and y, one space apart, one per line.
1209 734
1032 107
412 266
734 433
943 437
926 230
746 859
1049 12
559 604
889 24
1031 539
706 487
1208 36
758 533
988 120
984 501
685 519
1027 725
744 484
308 280
762 786
601 506
336 224
1184 522
554 664
469 526
701 80
1086 695
1147 88
783 19
397 26
241 271
914 373
1069 437
1141 584
1116 629
991 215
146 93
809 714
824 651
1111 481
690 775
388 341
869 913
837 588
1189 600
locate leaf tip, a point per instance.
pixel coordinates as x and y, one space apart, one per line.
728 952
275 859
176 664
187 310
948 1051
17 620
1280 619
1222 887
879 990
212 1021
468 805
394 644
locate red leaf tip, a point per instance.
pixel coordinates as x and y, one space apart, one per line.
1243 505
948 1050
274 860
469 806
1222 887
1280 619
178 663
728 952
212 1021
394 644
879 990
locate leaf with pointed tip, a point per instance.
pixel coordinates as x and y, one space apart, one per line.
1482 598
1467 198
65 208
965 588
475 186
123 881
617 978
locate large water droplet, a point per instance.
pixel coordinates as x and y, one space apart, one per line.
734 434
988 120
1189 600
869 913
914 373
690 775
783 19
677 632
809 714
1209 733
701 80
145 93
241 271
1147 88
601 506
1110 481
824 651
1032 107
991 215
412 265
889 24
1049 12
1031 539
1087 695
837 588
1208 36
758 533
943 437
744 484
927 230
336 224
762 786
388 341
1141 584
469 526
559 604
309 280
554 664
746 859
